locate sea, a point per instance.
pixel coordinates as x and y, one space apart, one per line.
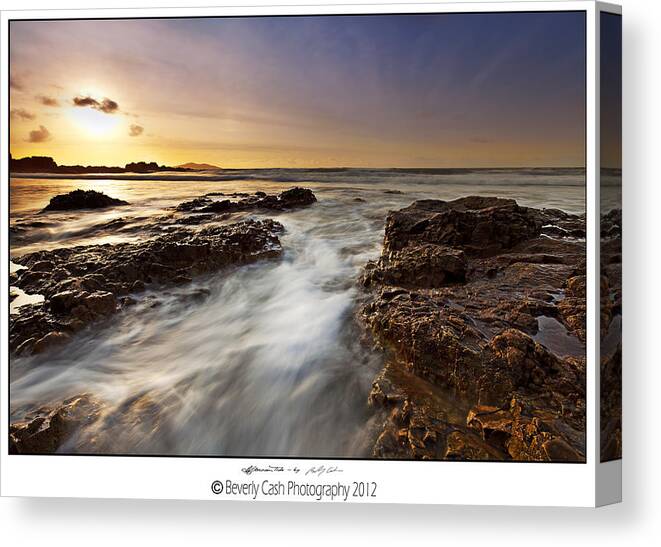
271 361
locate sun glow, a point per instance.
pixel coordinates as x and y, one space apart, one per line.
93 122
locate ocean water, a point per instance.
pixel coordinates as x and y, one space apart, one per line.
263 360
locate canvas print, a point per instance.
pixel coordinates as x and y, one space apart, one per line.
300 236
611 236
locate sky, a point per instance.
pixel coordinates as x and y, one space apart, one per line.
451 90
611 90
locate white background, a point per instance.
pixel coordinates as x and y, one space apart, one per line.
635 522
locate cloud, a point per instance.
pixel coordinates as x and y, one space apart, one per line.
85 101
107 106
135 130
39 135
47 101
21 114
481 140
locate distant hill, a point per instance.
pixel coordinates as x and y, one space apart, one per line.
198 166
46 164
36 163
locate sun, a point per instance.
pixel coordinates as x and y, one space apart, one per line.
93 122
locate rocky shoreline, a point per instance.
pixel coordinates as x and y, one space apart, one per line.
455 301
478 305
86 284
611 336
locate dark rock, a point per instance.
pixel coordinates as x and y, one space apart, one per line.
475 224
573 308
82 199
610 380
455 299
611 335
422 421
99 275
463 447
289 199
525 435
426 266
296 197
46 430
611 224
51 339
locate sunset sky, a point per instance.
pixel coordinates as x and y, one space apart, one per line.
373 91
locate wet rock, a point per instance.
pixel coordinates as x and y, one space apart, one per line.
480 225
422 421
409 433
557 223
425 266
414 431
573 308
98 304
611 335
515 361
82 199
99 276
523 434
493 423
558 450
455 299
197 295
610 380
63 302
296 197
462 447
54 338
289 199
611 224
42 266
47 429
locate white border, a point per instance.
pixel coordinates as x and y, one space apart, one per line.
541 484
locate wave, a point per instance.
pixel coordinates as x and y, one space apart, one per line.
479 176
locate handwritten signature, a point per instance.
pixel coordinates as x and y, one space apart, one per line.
316 470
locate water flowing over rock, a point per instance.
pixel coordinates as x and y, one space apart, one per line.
82 199
47 429
289 199
85 284
455 301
